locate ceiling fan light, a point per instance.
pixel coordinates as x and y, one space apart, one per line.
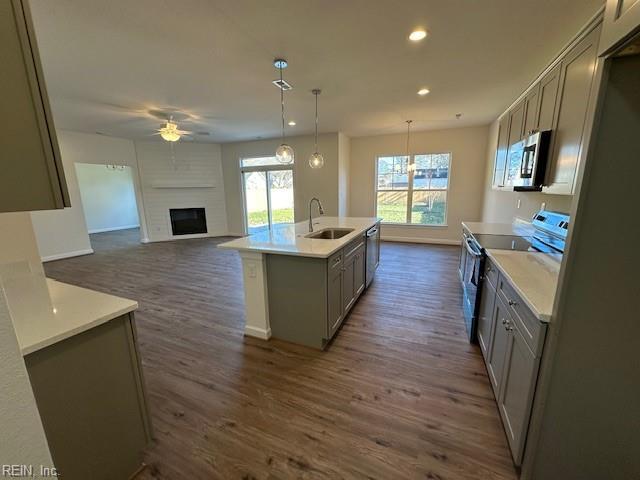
284 154
170 136
316 160
170 132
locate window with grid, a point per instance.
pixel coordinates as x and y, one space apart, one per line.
413 190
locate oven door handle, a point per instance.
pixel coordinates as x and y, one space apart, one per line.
470 249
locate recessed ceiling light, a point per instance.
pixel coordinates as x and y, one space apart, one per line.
423 91
292 123
417 35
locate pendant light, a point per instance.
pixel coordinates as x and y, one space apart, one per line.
410 166
284 153
316 160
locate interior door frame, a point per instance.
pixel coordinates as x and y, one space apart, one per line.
266 169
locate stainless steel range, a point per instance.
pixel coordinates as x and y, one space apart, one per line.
548 235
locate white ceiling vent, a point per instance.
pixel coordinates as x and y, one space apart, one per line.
282 84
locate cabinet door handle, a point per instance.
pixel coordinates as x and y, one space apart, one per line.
512 303
504 321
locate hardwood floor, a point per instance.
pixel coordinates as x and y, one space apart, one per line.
399 393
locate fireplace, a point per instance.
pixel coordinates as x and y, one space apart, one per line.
188 221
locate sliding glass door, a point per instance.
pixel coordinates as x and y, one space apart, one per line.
268 193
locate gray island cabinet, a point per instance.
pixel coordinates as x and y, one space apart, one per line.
309 298
300 285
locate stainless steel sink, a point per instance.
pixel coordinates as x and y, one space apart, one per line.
330 233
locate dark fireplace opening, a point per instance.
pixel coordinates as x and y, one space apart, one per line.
188 221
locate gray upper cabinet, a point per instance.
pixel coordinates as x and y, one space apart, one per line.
621 20
501 152
576 80
559 101
531 106
548 95
517 114
32 175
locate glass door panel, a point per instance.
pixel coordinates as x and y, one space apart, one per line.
256 201
281 196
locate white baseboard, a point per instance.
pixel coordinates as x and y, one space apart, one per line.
113 229
257 332
235 234
60 256
434 241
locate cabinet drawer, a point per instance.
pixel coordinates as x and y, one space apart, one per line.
491 272
335 261
352 248
531 328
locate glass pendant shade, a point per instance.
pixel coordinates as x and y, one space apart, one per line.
316 160
284 154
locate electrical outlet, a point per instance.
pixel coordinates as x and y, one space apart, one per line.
543 206
252 271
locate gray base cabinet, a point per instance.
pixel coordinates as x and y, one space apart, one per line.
309 298
90 393
511 340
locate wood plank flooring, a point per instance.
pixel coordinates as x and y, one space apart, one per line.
399 394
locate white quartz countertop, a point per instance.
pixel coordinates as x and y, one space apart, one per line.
517 228
291 239
45 311
534 276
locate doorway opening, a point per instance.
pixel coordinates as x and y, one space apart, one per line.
108 199
268 193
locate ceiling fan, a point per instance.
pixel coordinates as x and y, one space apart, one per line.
170 131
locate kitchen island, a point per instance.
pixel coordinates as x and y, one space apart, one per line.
299 285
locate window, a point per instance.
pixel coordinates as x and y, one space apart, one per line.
268 193
413 190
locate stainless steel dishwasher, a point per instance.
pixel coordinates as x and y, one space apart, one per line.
373 252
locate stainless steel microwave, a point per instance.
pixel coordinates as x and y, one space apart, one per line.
527 162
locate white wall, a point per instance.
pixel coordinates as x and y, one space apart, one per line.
468 148
344 163
18 243
108 197
307 182
502 207
189 165
64 233
23 438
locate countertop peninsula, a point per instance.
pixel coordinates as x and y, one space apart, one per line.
45 311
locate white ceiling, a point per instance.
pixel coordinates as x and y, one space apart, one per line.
109 63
